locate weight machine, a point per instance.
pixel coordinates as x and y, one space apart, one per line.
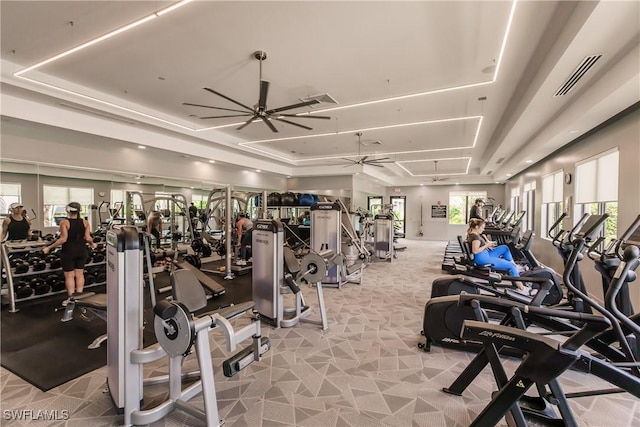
270 283
224 205
177 331
326 235
179 232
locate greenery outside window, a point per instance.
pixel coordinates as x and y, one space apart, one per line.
460 203
374 205
398 204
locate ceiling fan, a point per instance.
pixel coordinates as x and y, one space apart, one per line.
364 160
436 177
260 111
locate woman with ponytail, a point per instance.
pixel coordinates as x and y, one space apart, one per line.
486 251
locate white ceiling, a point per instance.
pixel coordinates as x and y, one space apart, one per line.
424 69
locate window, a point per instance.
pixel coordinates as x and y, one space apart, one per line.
460 203
552 206
597 189
515 200
56 199
374 205
9 193
529 203
399 213
200 200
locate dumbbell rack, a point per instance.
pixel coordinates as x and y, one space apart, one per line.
10 276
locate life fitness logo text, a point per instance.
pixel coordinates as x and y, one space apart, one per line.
497 335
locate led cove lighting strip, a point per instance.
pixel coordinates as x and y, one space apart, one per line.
103 37
424 122
466 172
175 6
396 98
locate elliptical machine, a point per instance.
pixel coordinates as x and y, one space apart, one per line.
443 317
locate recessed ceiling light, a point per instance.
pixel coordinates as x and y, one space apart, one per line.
212 161
288 176
138 182
528 161
142 147
421 185
508 174
258 170
574 131
457 183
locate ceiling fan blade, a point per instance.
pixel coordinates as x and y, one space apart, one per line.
264 91
363 159
374 164
208 106
292 106
292 123
228 99
271 126
306 116
382 160
247 123
224 117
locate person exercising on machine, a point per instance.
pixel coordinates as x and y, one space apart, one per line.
154 226
244 227
486 251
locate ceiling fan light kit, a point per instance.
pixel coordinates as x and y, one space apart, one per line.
260 111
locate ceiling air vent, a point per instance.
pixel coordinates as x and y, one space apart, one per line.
323 97
500 160
489 173
582 69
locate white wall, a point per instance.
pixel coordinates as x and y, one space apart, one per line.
623 134
426 196
43 145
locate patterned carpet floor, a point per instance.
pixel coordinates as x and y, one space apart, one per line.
365 370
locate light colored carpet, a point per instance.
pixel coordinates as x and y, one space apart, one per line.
366 370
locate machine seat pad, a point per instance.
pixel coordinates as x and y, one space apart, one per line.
233 310
96 301
82 295
290 261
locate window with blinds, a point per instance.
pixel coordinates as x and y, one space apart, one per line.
597 189
56 198
552 206
9 193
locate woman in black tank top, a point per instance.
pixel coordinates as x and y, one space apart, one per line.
16 226
74 234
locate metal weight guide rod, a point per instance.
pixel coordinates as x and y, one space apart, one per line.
177 331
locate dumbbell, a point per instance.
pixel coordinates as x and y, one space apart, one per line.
89 279
21 267
39 286
97 256
39 265
197 245
101 277
22 290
